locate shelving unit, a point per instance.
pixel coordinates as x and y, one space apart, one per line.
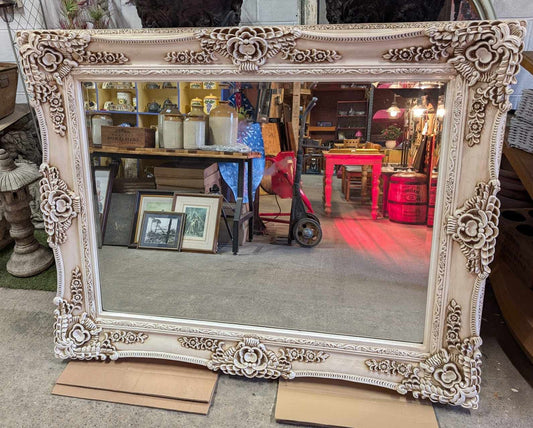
351 118
180 94
345 106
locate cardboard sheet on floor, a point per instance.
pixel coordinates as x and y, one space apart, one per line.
151 383
346 404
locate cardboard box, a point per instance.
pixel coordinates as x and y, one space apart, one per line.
346 404
151 383
126 137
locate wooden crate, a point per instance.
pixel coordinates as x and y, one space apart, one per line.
187 178
126 137
8 88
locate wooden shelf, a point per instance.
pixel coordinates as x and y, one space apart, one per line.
19 112
149 152
322 129
527 61
522 163
351 127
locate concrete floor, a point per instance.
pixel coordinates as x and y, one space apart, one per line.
29 371
370 271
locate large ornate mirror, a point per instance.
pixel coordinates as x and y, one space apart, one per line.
179 166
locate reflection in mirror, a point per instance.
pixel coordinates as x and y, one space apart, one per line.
172 201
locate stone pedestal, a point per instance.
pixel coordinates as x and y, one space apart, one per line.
29 257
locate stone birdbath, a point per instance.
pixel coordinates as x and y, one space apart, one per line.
29 257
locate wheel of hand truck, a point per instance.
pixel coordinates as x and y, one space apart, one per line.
313 217
307 232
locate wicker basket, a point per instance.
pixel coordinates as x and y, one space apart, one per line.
521 134
525 107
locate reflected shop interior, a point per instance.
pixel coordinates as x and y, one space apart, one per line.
173 202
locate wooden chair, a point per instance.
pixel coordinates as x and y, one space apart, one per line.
355 177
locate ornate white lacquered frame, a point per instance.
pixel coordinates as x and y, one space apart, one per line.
477 60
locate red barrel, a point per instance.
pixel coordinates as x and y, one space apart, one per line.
408 198
432 198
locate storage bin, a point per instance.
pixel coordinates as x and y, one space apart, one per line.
521 134
525 107
8 88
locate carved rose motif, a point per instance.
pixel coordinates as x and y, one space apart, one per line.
490 59
475 227
450 376
48 56
447 375
482 55
59 205
250 47
251 360
77 336
246 46
50 60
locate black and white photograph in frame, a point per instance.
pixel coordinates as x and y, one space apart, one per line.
162 230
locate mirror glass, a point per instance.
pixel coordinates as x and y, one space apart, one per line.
355 197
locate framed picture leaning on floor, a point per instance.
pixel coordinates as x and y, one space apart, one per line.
201 222
162 230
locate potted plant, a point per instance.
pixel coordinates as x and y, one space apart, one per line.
391 135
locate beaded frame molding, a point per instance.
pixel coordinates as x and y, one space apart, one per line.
478 60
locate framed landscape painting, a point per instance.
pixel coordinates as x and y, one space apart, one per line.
201 222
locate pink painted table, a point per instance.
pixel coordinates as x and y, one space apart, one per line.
352 158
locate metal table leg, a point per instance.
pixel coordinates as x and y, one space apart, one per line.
238 207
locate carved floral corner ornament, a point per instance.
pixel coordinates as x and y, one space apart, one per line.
59 205
47 57
77 336
251 358
486 54
250 47
475 227
450 376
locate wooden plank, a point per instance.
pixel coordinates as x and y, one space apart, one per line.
20 111
522 163
527 61
174 153
516 303
322 129
271 138
296 104
293 143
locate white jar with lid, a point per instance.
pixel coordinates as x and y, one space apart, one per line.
194 126
97 121
170 128
223 125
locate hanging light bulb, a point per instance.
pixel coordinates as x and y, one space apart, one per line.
419 109
394 110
